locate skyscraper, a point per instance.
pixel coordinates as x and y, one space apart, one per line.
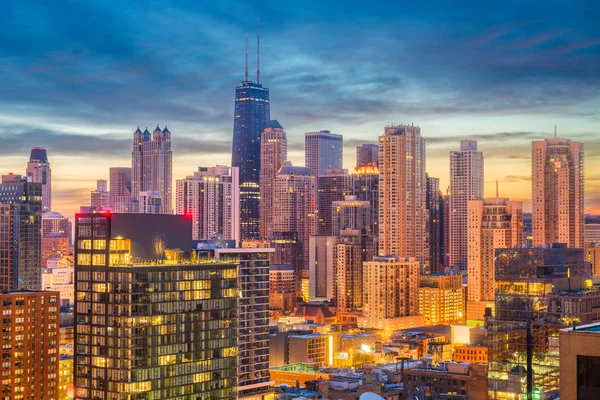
557 186
56 237
434 217
211 198
466 183
322 151
38 171
351 213
120 190
367 154
21 233
493 223
152 171
99 198
402 193
273 152
366 188
332 185
351 249
320 268
295 205
252 112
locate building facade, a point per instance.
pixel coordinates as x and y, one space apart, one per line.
367 154
442 299
120 190
349 253
580 362
557 192
332 185
466 183
351 213
38 171
323 150
433 203
320 268
366 188
99 198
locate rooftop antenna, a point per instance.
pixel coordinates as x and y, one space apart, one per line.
496 188
258 54
246 59
554 131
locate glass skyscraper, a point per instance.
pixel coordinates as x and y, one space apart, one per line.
252 112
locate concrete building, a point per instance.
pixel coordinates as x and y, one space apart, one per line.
282 288
332 185
120 190
323 150
493 223
99 198
349 252
442 299
434 205
321 268
390 291
557 192
471 354
367 154
300 346
469 381
211 197
351 213
273 152
580 362
38 171
402 192
20 233
152 169
61 280
466 183
30 351
366 188
592 234
54 223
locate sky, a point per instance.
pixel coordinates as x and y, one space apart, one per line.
79 77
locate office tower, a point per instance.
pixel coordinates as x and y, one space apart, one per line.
253 380
30 345
366 188
442 299
332 185
61 280
273 152
433 200
402 193
99 198
351 213
539 291
38 171
466 183
21 233
252 112
322 151
120 190
320 268
163 328
282 288
54 223
349 252
294 193
152 171
446 230
367 154
211 198
493 223
557 198
390 291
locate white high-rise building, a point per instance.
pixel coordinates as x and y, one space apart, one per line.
38 171
100 197
558 195
466 183
120 189
212 198
152 170
322 151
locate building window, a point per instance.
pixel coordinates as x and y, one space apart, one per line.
588 379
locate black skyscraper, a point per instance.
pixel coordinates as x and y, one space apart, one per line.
252 112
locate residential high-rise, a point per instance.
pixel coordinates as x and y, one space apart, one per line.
332 185
273 152
253 379
539 291
38 171
433 201
211 198
351 213
390 291
557 186
442 299
322 151
282 288
367 154
493 223
56 237
294 205
466 183
152 170
30 351
99 198
20 233
56 223
402 193
366 188
120 190
445 230
162 328
351 249
252 112
320 268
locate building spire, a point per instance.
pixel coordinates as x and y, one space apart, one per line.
496 188
258 54
554 131
246 71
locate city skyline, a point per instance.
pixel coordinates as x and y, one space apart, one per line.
513 82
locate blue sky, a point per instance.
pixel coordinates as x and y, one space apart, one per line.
79 77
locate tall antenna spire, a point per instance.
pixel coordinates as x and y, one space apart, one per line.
554 131
258 54
246 75
496 188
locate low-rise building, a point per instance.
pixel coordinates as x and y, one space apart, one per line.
472 354
463 380
580 362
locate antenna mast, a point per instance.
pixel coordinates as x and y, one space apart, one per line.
554 131
496 188
258 54
246 71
